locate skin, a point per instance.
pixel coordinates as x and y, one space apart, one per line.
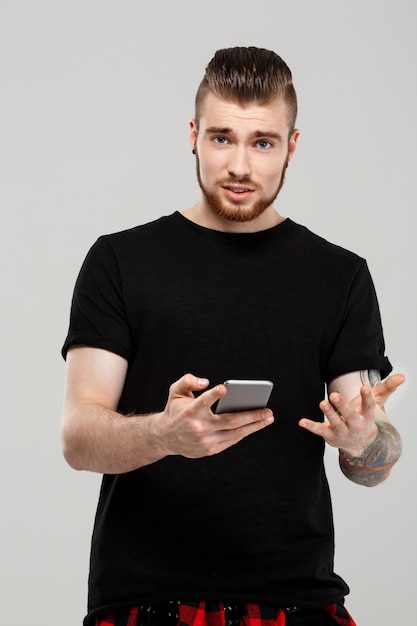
357 424
241 157
242 154
97 438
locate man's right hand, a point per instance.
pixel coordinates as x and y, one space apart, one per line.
97 438
188 426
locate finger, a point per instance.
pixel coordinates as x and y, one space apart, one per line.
368 402
249 423
228 436
389 385
394 381
209 397
383 391
187 384
337 410
322 429
336 425
242 419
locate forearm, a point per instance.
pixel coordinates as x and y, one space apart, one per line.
98 439
377 460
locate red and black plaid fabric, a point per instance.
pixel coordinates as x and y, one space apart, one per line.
214 614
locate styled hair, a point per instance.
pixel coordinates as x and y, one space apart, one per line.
245 75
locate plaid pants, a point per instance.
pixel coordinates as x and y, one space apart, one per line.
219 614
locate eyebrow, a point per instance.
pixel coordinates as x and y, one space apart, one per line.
216 130
213 130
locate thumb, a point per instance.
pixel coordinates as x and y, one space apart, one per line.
383 391
187 384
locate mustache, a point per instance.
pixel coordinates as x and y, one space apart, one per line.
245 180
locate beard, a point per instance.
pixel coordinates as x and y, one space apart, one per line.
232 211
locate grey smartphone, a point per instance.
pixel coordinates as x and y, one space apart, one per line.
244 395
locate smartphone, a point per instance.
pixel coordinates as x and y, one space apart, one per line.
244 395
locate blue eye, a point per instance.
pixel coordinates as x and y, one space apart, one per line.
263 144
220 140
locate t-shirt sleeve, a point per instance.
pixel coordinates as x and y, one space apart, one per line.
360 342
98 315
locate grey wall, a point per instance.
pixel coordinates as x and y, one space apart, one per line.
94 108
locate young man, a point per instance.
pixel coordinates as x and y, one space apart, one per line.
217 518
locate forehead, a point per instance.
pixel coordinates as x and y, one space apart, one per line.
222 113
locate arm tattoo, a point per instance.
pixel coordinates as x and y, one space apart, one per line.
373 375
376 462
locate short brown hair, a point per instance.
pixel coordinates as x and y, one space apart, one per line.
246 75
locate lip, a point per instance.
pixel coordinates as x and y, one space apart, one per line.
237 192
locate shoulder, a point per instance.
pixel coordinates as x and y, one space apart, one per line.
141 239
319 243
160 227
330 255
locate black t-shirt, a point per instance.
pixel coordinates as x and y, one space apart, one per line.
253 523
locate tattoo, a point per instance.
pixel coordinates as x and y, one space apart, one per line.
374 377
376 462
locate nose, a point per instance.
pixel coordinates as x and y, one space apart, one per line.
239 163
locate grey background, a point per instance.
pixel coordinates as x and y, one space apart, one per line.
95 102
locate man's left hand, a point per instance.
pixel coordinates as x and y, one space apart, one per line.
350 425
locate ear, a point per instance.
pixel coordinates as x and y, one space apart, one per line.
193 133
293 143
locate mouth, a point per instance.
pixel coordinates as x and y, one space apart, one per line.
237 192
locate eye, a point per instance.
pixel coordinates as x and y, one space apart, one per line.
264 144
221 141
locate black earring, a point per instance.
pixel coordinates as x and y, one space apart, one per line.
193 150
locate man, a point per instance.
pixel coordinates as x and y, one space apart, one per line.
224 518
